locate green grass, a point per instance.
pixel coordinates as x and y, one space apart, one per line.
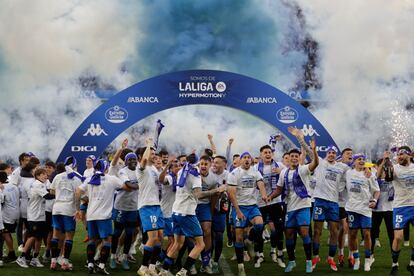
380 267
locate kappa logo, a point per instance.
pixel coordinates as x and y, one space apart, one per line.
308 130
95 130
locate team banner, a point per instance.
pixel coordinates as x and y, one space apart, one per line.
192 87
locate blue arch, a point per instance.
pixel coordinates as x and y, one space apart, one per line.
188 88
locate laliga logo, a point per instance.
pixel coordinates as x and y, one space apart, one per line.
116 114
221 86
201 87
287 115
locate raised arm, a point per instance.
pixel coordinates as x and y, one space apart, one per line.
165 170
147 153
301 139
386 157
124 144
315 159
212 145
228 152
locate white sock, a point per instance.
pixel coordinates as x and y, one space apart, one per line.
280 253
152 266
394 264
341 251
240 266
411 263
272 250
101 265
113 256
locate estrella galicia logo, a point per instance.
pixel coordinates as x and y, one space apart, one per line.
116 114
287 115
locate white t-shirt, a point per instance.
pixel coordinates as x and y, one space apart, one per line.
221 180
208 183
36 206
328 180
127 200
185 202
294 202
49 203
114 170
148 186
101 197
167 197
88 172
246 182
24 186
65 189
267 179
384 204
1 216
11 208
15 176
360 191
403 185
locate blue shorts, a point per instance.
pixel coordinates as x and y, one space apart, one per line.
219 222
99 228
231 215
168 227
298 218
358 221
325 210
402 216
151 218
124 217
249 212
203 212
64 223
186 225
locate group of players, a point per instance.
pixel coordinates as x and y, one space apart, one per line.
186 203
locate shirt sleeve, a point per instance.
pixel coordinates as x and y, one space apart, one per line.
123 176
54 184
117 182
39 191
168 180
196 182
231 179
258 176
304 170
373 184
113 170
281 177
83 187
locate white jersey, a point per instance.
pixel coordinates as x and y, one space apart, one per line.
328 180
403 185
185 202
384 203
246 182
114 170
208 183
1 216
127 200
101 197
49 203
65 189
267 179
167 196
221 180
148 186
36 206
24 187
15 176
88 172
360 191
294 202
11 208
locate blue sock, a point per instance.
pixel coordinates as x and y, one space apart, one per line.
367 253
356 254
332 250
316 248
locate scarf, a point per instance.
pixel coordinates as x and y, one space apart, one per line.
297 184
186 170
98 173
174 179
70 164
157 133
274 178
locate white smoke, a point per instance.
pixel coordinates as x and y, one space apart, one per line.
366 51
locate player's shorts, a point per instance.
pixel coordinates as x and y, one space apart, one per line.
168 227
37 229
358 221
249 212
325 210
9 227
99 228
342 213
219 222
203 212
151 218
273 213
124 217
186 225
64 223
403 216
298 218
